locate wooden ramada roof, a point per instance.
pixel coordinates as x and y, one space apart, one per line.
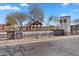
34 23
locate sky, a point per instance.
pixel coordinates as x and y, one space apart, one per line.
56 9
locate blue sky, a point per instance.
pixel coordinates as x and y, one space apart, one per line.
57 9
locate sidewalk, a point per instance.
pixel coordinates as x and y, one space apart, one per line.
34 39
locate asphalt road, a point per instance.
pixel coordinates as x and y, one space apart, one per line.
64 47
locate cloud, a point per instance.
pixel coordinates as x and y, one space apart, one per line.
70 13
24 4
75 10
65 4
63 14
76 3
8 7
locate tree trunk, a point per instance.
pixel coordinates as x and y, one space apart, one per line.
20 28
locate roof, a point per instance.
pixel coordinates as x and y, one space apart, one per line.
34 23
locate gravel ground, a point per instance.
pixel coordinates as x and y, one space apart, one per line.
60 46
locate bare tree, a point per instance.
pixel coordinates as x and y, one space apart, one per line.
36 13
17 18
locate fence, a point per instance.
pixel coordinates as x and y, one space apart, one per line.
18 35
3 35
36 33
58 32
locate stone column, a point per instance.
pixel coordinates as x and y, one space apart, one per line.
65 24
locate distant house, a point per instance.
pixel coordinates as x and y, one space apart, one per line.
75 29
3 27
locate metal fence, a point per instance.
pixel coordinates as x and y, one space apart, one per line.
20 35
36 33
3 35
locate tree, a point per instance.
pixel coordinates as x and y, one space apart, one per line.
76 21
16 18
36 13
10 22
53 19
